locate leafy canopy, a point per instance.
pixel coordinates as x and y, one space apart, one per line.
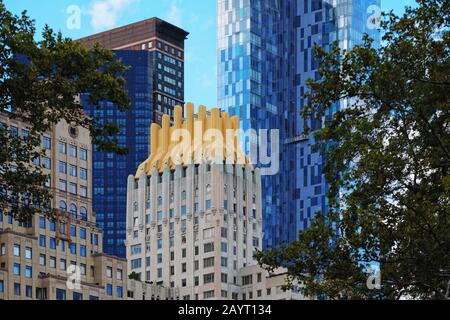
40 83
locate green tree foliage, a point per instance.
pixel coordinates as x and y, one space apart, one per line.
40 83
387 162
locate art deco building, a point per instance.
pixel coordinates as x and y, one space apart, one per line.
36 256
193 224
154 51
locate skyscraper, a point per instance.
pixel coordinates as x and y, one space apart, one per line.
265 57
154 49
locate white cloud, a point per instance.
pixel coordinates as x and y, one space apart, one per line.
175 13
106 13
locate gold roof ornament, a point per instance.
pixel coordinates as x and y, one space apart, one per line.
207 137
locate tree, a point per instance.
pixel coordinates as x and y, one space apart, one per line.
40 83
387 161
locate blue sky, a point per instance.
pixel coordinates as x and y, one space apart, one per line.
195 16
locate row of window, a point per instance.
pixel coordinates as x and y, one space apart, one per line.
167 48
64 245
74 171
73 150
72 188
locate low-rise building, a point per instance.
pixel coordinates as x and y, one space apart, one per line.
59 258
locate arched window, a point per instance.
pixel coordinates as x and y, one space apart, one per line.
62 206
208 188
73 210
83 213
148 204
159 201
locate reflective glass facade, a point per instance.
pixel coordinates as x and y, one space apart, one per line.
265 56
110 171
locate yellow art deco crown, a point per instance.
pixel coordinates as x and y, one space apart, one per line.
206 137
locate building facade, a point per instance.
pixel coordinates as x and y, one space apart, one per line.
38 257
154 50
265 57
194 224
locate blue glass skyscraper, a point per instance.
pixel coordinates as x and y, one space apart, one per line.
265 57
154 51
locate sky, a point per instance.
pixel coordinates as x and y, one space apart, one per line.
198 17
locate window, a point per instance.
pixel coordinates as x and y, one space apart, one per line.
83 174
73 151
136 264
83 154
28 253
109 272
247 280
62 206
46 163
62 167
73 248
119 292
62 147
83 191
16 250
224 262
208 204
17 289
83 233
77 296
62 264
224 247
28 272
42 241
83 250
73 210
109 289
208 247
42 222
52 262
83 213
119 274
52 243
224 278
83 269
160 244
47 143
2 286
60 294
208 262
42 260
73 231
16 269
208 233
208 294
73 170
73 188
136 249
62 185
